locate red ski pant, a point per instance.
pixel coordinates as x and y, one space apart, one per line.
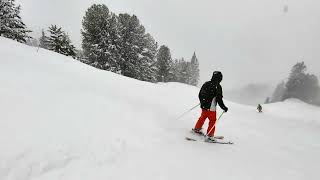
211 115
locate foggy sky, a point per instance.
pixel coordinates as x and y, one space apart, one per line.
250 41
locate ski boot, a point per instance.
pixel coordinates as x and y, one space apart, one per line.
210 139
198 132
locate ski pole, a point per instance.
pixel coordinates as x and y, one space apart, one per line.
188 111
215 123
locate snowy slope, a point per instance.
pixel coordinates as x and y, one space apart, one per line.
61 119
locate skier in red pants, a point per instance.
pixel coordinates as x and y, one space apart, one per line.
210 95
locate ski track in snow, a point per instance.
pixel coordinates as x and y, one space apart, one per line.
61 119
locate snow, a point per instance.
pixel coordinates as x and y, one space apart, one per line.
61 119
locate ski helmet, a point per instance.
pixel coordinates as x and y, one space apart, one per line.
217 76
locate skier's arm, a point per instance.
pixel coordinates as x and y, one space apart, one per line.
219 99
221 103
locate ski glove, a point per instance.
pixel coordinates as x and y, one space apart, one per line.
225 109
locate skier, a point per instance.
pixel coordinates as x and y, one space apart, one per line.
259 108
210 94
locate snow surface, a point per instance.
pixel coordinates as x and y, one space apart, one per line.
63 120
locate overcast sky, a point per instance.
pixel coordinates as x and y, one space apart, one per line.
250 41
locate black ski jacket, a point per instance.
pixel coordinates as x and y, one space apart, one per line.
210 94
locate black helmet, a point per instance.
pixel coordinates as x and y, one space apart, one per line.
216 77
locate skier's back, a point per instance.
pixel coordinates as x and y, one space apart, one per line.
210 95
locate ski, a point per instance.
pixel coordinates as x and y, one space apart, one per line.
219 137
203 135
219 142
190 139
213 142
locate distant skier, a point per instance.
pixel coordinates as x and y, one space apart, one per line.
210 95
259 108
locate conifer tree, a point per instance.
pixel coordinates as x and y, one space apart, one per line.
278 92
100 38
43 41
147 59
164 63
194 71
295 82
59 41
137 48
11 24
68 49
175 69
301 85
131 44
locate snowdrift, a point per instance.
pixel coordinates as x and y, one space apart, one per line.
61 119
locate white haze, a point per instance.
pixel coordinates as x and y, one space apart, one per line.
250 41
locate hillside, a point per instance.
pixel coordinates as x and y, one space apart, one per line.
61 119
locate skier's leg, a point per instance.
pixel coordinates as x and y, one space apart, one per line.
212 121
201 120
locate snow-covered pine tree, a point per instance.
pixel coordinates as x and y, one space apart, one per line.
180 71
278 92
184 71
147 59
194 71
100 38
131 44
295 83
164 63
68 49
311 88
188 73
137 48
11 24
317 101
175 69
55 39
59 41
43 40
301 85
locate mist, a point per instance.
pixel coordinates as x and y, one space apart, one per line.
251 42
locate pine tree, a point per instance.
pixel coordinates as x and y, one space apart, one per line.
100 38
295 82
55 39
194 71
137 48
181 71
184 71
147 59
188 73
43 41
131 44
11 25
175 69
118 43
68 49
59 41
278 92
164 63
301 85
311 88
317 101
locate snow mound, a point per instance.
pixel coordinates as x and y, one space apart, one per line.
61 119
